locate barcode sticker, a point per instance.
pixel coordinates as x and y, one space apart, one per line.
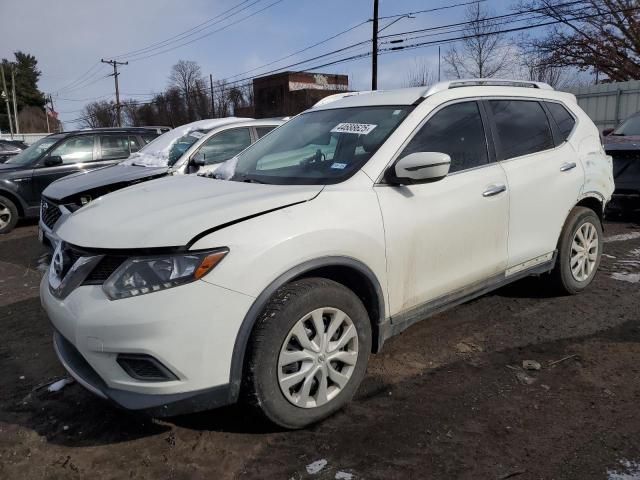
357 128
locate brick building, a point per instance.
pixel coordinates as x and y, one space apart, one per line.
289 93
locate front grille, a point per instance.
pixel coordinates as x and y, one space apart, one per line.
49 212
144 367
104 269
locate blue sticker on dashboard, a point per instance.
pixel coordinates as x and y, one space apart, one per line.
339 166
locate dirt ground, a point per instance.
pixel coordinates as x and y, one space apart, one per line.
447 399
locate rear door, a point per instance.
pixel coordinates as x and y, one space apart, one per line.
544 178
113 148
77 153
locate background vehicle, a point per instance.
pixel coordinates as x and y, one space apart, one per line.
191 148
24 176
9 148
623 144
340 229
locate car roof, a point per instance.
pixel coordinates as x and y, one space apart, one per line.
89 131
414 95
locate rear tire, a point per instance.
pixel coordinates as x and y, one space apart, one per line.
308 352
579 251
8 215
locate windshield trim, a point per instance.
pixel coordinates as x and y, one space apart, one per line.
56 137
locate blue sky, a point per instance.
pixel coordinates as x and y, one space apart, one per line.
69 37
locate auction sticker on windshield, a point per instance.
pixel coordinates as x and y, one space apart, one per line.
357 128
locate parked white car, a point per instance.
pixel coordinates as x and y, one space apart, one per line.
338 230
196 147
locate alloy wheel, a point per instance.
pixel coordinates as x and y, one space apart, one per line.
5 215
318 357
584 251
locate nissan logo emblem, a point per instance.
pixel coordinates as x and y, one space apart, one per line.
57 262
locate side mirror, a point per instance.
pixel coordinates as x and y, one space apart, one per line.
198 160
52 161
419 167
607 131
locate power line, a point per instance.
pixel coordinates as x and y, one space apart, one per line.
190 32
206 34
429 10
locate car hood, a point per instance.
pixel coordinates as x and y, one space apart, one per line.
10 167
172 211
101 177
621 142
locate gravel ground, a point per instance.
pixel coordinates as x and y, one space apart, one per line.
447 399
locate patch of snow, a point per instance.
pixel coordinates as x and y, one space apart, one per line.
59 385
608 256
343 476
626 277
316 466
629 471
623 237
156 153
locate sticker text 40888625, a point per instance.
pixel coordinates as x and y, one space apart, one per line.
357 128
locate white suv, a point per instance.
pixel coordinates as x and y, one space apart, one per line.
275 281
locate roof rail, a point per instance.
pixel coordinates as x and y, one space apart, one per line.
486 82
337 96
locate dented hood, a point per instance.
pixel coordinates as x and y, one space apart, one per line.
115 176
171 211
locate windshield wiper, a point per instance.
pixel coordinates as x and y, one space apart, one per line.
253 180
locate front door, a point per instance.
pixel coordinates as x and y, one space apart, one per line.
445 236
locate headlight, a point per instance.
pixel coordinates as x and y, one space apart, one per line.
141 275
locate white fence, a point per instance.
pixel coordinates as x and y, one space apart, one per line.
607 104
27 138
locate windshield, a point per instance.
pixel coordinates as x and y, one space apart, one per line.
34 151
166 149
631 126
316 148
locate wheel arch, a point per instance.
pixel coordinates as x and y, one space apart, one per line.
20 205
593 201
347 271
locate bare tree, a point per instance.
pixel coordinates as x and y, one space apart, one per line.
601 36
186 76
99 114
420 74
483 53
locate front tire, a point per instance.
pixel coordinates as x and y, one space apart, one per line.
579 251
308 352
8 215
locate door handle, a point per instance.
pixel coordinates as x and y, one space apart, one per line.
567 166
494 190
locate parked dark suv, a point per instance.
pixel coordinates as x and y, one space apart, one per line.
24 176
623 144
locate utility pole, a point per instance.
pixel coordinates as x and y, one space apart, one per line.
438 62
115 74
5 94
53 110
213 108
374 54
15 104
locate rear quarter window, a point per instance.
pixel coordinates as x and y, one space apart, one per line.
564 120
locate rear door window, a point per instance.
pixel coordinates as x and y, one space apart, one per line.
114 147
522 127
563 119
456 130
134 144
